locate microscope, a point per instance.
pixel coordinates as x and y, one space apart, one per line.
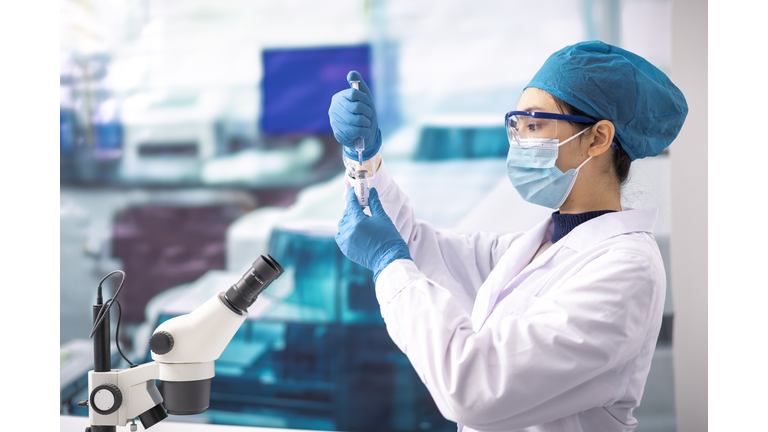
184 350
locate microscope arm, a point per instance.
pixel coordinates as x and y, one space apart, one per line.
121 395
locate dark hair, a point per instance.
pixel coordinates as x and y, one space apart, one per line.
619 158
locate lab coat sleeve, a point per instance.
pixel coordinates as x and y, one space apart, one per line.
568 351
459 263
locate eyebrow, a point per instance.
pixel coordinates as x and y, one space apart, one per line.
534 108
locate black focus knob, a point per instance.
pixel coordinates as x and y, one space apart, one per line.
106 399
161 343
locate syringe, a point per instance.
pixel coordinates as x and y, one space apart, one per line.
359 142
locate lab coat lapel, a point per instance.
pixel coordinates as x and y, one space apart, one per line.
514 260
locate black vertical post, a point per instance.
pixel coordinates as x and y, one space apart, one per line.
102 361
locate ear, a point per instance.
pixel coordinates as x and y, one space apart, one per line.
600 137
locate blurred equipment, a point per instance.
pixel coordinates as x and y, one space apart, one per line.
462 136
298 83
169 135
167 245
286 166
90 132
184 349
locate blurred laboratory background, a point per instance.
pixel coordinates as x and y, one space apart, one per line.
194 137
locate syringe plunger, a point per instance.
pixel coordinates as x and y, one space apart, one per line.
359 142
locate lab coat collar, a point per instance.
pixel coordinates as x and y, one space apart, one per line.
514 260
609 225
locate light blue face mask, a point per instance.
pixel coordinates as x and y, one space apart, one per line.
534 175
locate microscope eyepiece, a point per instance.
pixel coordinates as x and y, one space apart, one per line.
263 271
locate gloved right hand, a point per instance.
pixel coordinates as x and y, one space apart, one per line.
353 115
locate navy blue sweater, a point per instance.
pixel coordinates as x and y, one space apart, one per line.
564 223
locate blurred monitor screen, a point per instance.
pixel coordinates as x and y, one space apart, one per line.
299 83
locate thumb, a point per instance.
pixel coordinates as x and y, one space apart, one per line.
363 87
375 204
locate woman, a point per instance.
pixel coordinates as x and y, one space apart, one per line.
552 329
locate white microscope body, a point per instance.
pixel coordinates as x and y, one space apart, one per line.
184 350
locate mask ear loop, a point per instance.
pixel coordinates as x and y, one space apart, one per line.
582 131
582 164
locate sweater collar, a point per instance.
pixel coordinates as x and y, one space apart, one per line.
626 221
565 223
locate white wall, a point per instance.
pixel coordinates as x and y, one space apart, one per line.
688 160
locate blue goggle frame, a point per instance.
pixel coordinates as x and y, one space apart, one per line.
550 116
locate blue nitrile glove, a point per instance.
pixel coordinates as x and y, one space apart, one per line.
353 115
371 241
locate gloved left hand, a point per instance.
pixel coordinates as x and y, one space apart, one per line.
371 241
353 115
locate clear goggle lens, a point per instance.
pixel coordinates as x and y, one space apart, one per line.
522 130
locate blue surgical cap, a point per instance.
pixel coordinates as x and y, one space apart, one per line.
610 83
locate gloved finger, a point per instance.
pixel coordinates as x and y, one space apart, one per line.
376 208
359 96
353 207
353 101
343 116
355 76
346 134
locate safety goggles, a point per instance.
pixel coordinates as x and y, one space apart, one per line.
534 129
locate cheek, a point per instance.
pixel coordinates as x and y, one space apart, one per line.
567 155
561 162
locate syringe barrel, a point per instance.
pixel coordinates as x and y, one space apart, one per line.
361 187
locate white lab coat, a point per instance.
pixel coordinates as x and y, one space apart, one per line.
563 343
